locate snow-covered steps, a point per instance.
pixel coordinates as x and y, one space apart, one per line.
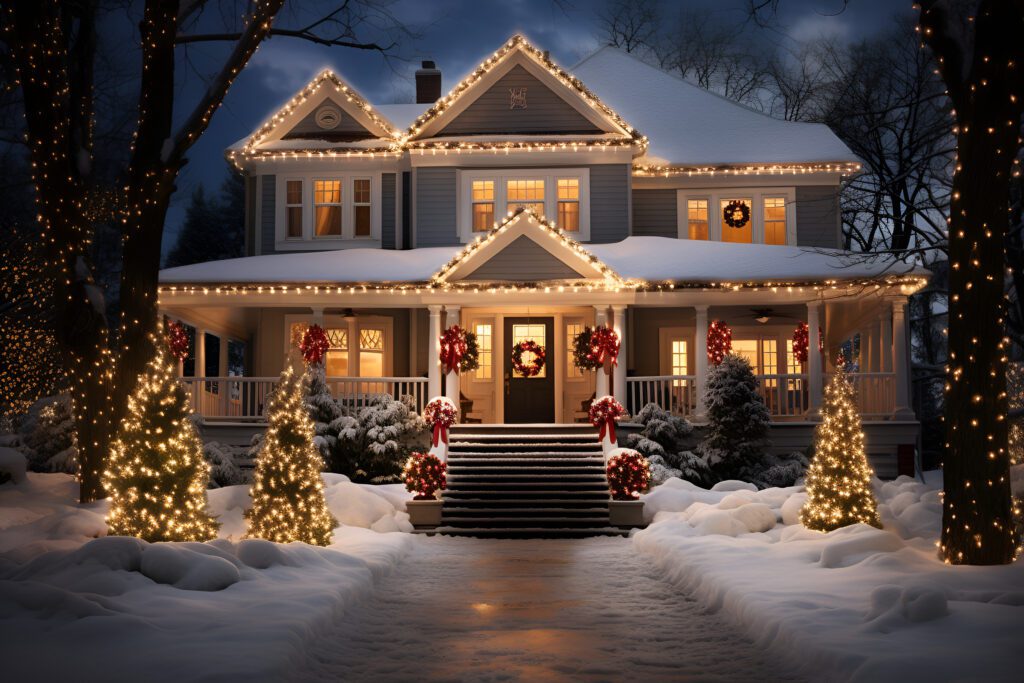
515 481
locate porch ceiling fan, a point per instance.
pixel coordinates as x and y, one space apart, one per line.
765 315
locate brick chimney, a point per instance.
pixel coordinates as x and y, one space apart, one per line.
428 83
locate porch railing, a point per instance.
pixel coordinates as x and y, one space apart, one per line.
675 393
785 394
245 398
876 393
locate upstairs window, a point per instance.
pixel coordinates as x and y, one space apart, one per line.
483 205
361 203
697 219
293 209
751 215
569 204
526 194
327 207
774 220
737 220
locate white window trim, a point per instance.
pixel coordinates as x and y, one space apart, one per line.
347 239
361 321
756 195
550 177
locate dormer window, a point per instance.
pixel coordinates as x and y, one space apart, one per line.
745 215
488 196
316 209
526 194
569 204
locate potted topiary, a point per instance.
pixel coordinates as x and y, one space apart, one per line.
629 475
424 475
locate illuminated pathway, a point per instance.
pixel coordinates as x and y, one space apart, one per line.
460 609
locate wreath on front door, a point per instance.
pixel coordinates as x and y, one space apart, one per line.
533 368
736 214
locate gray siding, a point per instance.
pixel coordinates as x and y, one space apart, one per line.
654 213
387 211
435 207
308 127
406 210
523 261
609 202
268 214
817 216
545 111
251 204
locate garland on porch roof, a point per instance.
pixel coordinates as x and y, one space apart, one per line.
314 344
802 342
440 414
533 368
424 474
629 474
719 341
453 348
604 413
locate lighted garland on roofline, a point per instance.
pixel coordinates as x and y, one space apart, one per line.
666 171
536 362
719 341
802 342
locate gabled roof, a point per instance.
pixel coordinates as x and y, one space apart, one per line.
554 255
517 50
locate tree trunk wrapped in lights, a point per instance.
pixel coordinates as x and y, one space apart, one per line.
287 490
157 477
839 479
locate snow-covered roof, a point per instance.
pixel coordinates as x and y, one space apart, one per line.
635 258
688 125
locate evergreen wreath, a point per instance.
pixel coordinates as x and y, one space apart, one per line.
471 358
452 349
536 365
629 474
719 341
424 475
581 344
730 211
314 344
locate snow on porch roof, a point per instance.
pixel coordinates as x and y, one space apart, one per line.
652 259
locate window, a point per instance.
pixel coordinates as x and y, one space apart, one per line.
697 218
485 347
792 364
536 332
327 207
571 331
744 233
747 348
361 202
483 205
293 209
371 352
680 361
774 220
526 194
569 204
336 363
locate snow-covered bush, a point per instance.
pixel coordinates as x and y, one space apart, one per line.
323 410
374 441
778 471
224 470
48 436
736 439
663 441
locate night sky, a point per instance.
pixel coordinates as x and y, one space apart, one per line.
457 34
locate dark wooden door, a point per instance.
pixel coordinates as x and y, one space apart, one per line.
530 399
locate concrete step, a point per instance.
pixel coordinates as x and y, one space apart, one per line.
554 521
526 532
486 510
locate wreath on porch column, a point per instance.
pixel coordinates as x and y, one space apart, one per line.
177 340
592 348
314 344
533 368
719 341
802 342
453 348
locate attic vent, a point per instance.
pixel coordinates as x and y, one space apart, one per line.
328 118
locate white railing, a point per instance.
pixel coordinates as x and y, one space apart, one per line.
245 398
785 394
675 393
876 393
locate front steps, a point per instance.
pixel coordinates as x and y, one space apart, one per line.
520 481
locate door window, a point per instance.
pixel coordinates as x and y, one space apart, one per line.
536 332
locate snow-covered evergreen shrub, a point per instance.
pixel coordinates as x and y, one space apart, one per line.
323 410
777 471
48 436
663 442
736 440
224 470
373 442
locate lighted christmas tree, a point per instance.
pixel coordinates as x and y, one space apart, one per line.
156 475
287 490
839 479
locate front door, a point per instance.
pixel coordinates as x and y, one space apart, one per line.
530 399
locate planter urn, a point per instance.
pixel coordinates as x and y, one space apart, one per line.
626 513
424 514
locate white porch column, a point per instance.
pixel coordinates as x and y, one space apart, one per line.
701 358
452 385
601 320
814 368
433 351
317 318
619 384
886 341
200 365
903 409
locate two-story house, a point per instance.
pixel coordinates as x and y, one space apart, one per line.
527 203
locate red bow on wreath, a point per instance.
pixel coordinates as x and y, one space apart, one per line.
453 348
604 413
440 414
314 344
604 346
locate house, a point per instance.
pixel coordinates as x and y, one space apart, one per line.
528 203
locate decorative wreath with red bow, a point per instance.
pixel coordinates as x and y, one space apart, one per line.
604 413
453 348
533 368
440 414
802 342
314 344
177 340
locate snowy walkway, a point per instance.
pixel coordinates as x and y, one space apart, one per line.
536 610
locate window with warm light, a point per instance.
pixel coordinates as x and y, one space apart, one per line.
483 205
697 218
747 348
371 352
485 350
336 362
536 332
571 332
680 360
525 194
293 208
774 220
361 206
792 364
569 204
745 232
327 208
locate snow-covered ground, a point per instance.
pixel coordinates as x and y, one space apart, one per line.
76 605
858 603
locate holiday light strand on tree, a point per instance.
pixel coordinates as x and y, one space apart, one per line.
629 474
604 413
314 345
719 341
536 363
440 414
424 474
802 342
453 347
156 475
839 479
287 492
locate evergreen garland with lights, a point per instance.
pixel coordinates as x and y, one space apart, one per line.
287 490
156 475
839 479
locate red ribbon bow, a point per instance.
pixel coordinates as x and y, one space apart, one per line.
440 434
608 427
